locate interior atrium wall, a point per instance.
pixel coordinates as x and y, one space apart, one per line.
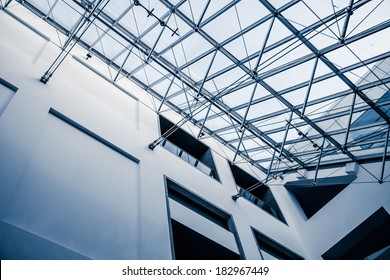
78 180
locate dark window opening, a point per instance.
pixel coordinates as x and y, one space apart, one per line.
313 198
191 245
203 208
188 148
256 192
369 240
191 201
273 248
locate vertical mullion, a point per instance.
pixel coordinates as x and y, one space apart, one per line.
384 155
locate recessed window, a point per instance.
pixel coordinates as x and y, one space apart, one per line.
190 244
188 148
191 201
256 192
270 249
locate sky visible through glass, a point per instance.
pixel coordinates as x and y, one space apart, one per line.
283 84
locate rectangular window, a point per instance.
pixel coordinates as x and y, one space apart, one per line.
188 148
256 192
187 243
193 202
270 249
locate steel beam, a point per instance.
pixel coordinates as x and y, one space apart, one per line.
87 19
310 84
319 161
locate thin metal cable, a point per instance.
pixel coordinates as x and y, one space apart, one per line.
334 13
321 19
364 18
369 69
242 36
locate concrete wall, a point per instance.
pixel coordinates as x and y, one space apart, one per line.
66 195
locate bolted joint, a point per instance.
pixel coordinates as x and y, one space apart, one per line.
254 74
45 78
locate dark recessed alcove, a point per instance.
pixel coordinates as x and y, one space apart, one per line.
189 145
313 197
191 245
255 191
273 248
371 236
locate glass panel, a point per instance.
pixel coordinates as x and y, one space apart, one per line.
233 29
204 168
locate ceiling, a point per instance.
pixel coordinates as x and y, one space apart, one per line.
284 84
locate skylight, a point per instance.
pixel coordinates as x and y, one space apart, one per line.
270 79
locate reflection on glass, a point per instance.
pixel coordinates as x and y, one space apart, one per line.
187 157
247 195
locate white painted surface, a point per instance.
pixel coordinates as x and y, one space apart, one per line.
6 95
202 225
98 203
78 193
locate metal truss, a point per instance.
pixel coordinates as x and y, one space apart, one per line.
230 95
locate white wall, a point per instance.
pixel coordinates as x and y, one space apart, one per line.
343 213
62 189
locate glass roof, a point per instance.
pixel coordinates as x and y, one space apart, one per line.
283 84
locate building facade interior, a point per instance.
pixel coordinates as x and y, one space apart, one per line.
194 130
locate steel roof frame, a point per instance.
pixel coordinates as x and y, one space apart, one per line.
246 128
